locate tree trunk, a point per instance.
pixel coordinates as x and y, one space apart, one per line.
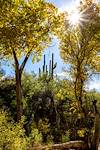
18 73
96 138
67 146
19 95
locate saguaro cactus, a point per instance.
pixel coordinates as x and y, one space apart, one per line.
48 71
53 66
39 72
44 65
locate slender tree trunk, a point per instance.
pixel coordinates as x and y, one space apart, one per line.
19 95
18 74
96 138
78 87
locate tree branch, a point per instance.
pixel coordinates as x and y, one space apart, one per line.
67 145
24 61
15 58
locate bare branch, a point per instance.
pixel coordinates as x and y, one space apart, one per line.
15 58
24 61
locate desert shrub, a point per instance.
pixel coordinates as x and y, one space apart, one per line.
35 139
65 137
12 135
44 128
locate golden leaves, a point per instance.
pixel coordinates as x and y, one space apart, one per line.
81 132
27 25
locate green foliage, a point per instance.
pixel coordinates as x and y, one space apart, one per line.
65 137
35 138
12 135
79 45
63 89
44 128
25 26
81 132
25 29
44 122
7 100
50 108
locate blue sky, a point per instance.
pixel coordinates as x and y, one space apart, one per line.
61 3
53 48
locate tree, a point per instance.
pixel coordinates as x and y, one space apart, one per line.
25 29
80 44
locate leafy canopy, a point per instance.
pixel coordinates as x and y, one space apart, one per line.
83 42
25 26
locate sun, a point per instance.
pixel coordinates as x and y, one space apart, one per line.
74 18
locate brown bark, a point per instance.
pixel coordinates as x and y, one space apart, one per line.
19 95
18 87
79 83
67 145
18 74
96 138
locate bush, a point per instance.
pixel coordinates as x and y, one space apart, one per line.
12 135
65 137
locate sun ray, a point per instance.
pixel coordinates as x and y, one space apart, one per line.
74 18
77 18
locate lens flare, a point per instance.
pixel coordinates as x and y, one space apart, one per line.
74 18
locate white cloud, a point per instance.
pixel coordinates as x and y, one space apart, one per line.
64 74
94 85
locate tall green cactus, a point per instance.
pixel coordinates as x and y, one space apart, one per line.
44 65
50 68
39 72
48 71
53 66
